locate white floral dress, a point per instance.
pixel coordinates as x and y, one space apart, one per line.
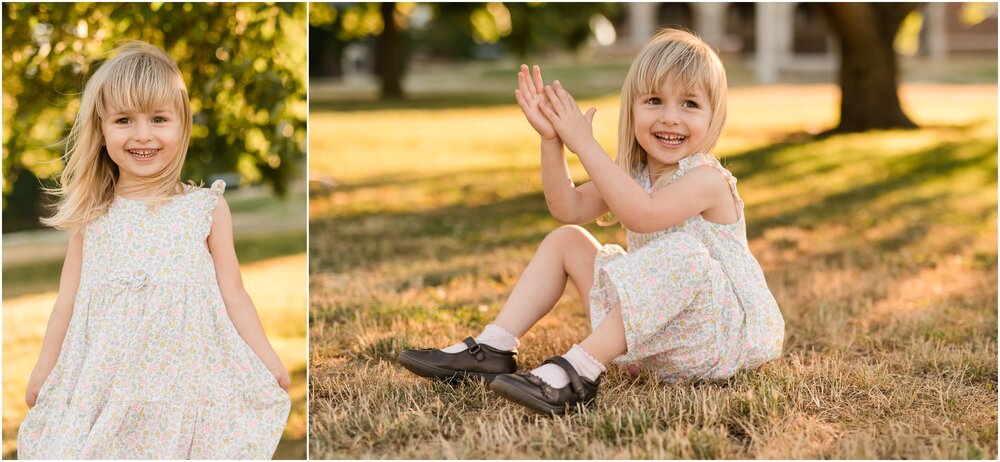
151 366
694 300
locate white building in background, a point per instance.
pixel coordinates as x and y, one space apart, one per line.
776 37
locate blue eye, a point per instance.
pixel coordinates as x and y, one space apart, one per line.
689 103
122 121
159 119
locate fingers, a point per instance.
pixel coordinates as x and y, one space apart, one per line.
564 96
519 96
525 83
539 83
527 105
520 101
554 101
522 84
590 115
547 110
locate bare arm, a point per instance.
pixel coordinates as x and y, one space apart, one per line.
239 306
639 211
566 202
62 312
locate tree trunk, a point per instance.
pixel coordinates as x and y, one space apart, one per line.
868 75
390 56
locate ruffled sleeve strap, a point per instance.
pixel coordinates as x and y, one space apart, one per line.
696 160
219 187
689 163
212 200
215 192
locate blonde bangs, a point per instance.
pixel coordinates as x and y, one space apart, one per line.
140 83
676 66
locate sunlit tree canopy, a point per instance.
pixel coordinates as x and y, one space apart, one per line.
244 64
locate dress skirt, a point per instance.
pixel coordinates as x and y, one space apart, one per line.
682 318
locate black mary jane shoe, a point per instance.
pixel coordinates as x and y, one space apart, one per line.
528 390
478 361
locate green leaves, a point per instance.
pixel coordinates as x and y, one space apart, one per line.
244 65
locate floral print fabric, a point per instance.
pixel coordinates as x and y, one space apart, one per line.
693 298
151 366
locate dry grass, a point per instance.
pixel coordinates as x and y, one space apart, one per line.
881 249
277 289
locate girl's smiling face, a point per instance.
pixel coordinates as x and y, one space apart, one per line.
141 143
671 123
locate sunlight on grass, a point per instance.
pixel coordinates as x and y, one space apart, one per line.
403 143
277 287
879 247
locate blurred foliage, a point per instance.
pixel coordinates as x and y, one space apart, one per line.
521 28
243 63
973 13
452 30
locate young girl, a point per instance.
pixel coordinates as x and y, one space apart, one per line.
687 301
154 349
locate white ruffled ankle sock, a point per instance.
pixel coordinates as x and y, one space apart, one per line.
585 364
494 336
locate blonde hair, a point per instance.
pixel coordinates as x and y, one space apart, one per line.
682 58
140 78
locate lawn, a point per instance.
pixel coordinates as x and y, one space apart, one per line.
881 249
272 262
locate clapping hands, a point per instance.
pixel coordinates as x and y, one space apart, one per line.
574 128
530 94
552 111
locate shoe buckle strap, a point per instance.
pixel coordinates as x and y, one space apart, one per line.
574 378
474 349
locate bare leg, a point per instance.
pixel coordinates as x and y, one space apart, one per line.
590 356
569 251
607 341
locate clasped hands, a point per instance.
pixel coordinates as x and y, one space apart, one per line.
553 112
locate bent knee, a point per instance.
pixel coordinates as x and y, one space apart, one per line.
570 235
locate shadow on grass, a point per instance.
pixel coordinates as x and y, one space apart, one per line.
346 243
32 278
901 174
356 239
423 181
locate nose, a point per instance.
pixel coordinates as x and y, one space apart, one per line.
670 115
142 132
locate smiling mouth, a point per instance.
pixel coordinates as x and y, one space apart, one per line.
670 138
142 153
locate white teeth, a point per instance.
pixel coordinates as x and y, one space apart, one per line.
143 152
670 138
